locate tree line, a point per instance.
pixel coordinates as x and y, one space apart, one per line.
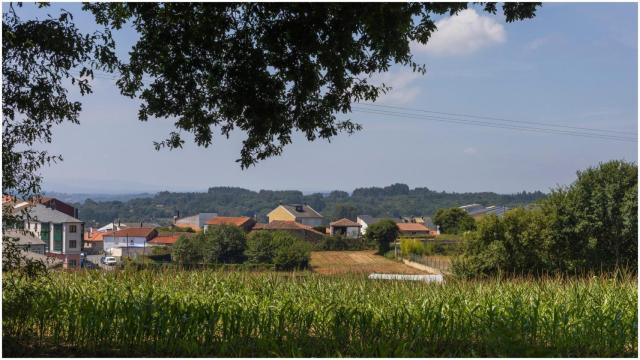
392 201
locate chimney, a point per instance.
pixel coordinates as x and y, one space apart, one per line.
175 219
140 223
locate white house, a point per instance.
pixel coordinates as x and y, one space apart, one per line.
366 220
129 238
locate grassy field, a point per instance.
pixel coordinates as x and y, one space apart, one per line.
209 313
356 262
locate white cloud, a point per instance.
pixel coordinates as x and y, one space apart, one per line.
470 151
463 34
403 87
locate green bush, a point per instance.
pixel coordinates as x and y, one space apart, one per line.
341 243
223 244
382 233
292 254
412 246
282 249
260 247
187 250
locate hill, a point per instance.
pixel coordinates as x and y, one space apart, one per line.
394 200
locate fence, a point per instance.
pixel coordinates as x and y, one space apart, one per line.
442 263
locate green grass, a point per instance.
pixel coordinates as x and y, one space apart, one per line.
212 313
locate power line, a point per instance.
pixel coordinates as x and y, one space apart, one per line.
494 125
495 118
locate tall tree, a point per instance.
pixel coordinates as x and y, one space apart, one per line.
268 69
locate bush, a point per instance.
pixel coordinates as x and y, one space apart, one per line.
187 250
382 233
412 246
292 254
284 250
341 243
260 247
454 221
223 244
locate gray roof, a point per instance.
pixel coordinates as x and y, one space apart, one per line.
307 211
41 213
24 237
368 219
137 224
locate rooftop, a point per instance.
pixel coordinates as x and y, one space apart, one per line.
345 223
301 210
229 220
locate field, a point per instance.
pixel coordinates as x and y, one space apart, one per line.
236 314
357 262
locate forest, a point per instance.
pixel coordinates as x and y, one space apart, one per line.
395 200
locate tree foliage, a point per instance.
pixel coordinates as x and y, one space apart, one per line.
301 64
186 250
454 221
383 233
282 249
589 225
223 244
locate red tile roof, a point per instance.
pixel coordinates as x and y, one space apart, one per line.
229 220
133 232
169 238
95 236
285 225
412 227
345 222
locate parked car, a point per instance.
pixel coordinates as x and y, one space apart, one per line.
108 260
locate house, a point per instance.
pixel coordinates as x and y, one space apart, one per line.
61 233
26 241
303 231
196 222
125 242
243 222
411 229
169 238
345 227
367 220
93 241
300 213
117 225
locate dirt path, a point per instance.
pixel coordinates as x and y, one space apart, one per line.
360 262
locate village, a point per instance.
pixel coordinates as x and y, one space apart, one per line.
53 231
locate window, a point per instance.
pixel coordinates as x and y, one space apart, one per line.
44 232
73 228
73 244
71 263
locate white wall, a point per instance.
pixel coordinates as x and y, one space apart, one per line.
122 242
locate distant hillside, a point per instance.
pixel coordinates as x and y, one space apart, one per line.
81 197
395 200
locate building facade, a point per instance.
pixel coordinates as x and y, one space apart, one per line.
61 233
300 213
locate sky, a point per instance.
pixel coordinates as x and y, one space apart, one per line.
574 64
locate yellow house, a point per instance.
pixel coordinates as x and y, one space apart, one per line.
302 214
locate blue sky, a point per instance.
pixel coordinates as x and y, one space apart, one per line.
574 65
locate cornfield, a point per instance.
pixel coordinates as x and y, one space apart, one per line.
213 313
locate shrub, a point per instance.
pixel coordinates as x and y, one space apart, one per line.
224 244
341 243
291 252
284 250
383 233
454 221
260 247
186 250
412 246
